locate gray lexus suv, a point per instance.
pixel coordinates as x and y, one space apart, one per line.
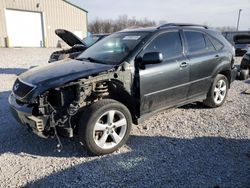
121 80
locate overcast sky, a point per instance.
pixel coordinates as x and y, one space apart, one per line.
213 12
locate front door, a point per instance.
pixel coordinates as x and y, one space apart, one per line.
166 83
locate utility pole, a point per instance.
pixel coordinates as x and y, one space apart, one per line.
238 22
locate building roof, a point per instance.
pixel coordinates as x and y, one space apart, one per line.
74 5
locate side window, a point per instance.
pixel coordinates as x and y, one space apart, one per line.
169 44
209 45
196 41
218 45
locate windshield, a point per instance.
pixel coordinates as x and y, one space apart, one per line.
114 48
89 41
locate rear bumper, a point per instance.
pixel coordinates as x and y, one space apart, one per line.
23 114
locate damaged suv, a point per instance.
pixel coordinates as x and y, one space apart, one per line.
121 80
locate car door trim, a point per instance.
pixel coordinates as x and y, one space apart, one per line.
174 87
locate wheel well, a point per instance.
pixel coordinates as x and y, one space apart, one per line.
118 93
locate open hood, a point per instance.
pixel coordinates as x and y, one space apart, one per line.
68 37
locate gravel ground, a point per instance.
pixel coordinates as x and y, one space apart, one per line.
191 146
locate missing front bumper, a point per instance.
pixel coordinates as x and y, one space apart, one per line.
23 114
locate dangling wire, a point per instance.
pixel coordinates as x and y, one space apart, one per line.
59 145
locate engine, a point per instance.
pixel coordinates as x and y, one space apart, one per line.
61 98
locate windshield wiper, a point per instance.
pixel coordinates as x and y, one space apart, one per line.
92 60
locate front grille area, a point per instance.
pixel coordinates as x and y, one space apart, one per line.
55 56
21 89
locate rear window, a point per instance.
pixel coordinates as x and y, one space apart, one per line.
209 45
230 37
218 45
198 42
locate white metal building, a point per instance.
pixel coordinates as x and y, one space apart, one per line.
31 23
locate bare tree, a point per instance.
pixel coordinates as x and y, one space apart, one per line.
226 28
106 26
110 26
95 26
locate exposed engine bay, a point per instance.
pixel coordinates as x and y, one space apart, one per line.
55 112
60 104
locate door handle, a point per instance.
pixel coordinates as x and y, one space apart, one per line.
183 64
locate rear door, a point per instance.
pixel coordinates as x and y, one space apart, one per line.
203 58
166 83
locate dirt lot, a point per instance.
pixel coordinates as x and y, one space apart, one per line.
191 146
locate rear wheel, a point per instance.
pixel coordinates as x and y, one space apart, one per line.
105 127
218 92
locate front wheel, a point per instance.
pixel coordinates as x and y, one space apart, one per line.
218 92
105 126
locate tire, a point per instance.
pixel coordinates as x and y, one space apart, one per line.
217 93
244 74
104 127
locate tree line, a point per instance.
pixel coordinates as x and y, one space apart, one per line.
122 22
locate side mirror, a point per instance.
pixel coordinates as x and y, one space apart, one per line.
152 58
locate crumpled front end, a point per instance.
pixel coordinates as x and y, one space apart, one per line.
55 110
48 113
23 113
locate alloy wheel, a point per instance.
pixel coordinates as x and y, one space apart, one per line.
220 91
110 129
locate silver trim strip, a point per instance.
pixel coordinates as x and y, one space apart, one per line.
189 83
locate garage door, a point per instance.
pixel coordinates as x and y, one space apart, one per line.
24 28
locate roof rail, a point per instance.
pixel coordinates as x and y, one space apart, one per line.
182 25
